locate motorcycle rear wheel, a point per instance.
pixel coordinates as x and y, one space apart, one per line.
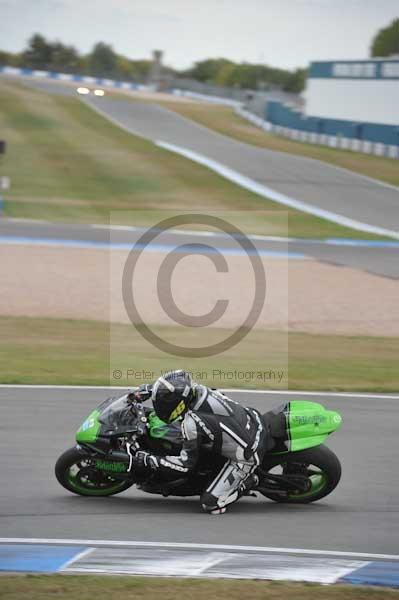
319 464
76 472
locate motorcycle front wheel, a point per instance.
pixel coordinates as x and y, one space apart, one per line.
318 468
76 472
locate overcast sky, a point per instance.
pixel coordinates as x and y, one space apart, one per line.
284 33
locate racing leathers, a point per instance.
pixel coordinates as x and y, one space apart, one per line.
223 427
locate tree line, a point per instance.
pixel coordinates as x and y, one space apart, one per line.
220 71
386 41
103 61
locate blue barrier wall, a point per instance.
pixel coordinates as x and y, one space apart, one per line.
284 116
23 71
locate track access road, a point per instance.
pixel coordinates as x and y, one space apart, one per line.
308 180
361 515
380 260
314 182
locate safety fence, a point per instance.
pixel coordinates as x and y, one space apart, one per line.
368 138
103 82
339 141
206 98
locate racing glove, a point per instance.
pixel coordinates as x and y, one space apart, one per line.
144 461
144 392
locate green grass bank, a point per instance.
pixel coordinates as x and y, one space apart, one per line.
81 587
57 351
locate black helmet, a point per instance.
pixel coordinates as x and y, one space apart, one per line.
171 394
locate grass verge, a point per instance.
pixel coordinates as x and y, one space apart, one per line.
69 164
80 587
226 121
57 351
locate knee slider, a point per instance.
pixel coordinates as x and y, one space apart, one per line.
209 502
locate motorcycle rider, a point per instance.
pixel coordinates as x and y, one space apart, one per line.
211 421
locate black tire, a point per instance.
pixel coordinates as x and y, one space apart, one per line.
104 486
321 457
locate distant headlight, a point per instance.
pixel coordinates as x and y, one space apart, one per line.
99 92
83 90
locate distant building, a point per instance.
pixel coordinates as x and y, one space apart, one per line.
361 90
158 77
352 104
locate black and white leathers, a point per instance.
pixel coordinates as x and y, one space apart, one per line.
224 427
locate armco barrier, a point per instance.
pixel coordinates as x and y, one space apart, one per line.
370 138
323 139
103 82
347 142
206 98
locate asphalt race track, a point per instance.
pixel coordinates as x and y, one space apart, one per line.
362 515
380 260
314 182
36 425
308 180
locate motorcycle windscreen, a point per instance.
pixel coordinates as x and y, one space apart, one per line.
114 416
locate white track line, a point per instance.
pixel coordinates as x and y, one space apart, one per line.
229 390
305 393
209 562
75 558
346 242
270 194
193 546
251 184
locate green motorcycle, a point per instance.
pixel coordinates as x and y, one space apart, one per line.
297 466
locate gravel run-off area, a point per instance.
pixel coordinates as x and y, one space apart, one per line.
302 295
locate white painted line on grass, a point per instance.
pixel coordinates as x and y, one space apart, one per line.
33 221
363 243
270 194
229 390
194 546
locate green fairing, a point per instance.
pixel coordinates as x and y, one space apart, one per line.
309 424
158 428
88 431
